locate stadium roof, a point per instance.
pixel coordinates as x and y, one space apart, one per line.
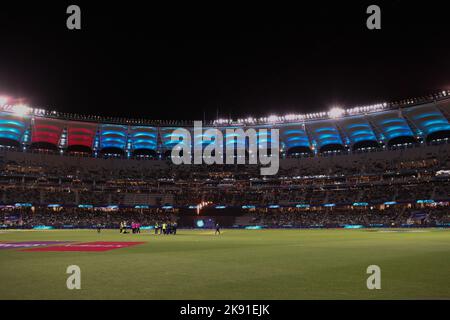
6 104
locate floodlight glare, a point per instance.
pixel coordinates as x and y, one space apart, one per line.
272 118
3 100
21 109
335 112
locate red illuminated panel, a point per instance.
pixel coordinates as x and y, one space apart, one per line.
47 131
81 134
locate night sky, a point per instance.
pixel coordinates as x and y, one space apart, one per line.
184 62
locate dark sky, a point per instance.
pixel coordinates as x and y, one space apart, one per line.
177 62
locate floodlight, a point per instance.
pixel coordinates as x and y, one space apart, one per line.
21 109
336 112
3 100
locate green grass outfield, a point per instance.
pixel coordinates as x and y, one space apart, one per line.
239 264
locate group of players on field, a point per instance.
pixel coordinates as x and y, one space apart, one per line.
164 228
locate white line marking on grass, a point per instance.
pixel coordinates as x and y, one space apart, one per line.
403 231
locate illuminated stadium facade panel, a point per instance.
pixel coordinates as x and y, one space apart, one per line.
12 128
295 139
326 135
394 127
428 119
113 138
351 131
264 135
46 133
359 132
231 140
204 139
144 139
81 135
169 138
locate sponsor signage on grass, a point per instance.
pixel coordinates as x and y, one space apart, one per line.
28 244
87 246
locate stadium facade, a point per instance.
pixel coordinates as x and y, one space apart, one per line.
385 125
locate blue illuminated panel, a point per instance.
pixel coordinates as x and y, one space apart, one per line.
428 119
167 134
264 137
113 136
240 144
294 136
204 139
325 133
12 127
358 130
144 138
231 139
392 125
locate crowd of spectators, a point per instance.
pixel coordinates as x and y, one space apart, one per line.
235 193
283 217
76 218
360 180
336 218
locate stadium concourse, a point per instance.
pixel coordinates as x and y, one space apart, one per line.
381 165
